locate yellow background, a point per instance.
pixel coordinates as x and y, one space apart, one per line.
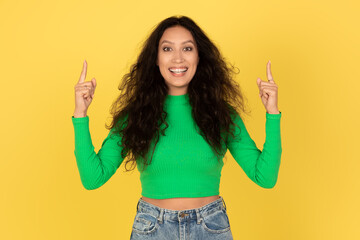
314 50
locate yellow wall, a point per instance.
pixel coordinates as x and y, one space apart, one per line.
314 50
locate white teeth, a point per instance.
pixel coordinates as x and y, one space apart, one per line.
178 70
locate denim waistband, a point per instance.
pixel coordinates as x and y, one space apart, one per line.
181 215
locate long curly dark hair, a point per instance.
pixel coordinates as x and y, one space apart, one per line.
138 114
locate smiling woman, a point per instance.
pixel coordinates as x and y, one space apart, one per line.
177 114
177 59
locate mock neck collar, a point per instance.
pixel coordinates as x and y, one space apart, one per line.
177 99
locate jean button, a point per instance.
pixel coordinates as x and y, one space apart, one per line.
182 214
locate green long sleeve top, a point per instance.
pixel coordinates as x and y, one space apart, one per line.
183 164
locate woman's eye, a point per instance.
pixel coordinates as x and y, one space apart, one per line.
166 49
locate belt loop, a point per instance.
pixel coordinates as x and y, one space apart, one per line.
198 218
161 216
224 202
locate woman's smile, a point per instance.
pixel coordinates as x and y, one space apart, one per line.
178 72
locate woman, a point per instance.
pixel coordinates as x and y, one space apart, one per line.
175 119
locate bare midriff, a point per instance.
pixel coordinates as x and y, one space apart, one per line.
181 203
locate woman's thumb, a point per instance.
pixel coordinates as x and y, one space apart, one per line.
258 80
93 82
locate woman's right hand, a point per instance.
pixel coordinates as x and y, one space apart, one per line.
84 93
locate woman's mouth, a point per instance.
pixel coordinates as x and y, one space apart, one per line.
178 72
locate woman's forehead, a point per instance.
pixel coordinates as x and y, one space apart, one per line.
176 34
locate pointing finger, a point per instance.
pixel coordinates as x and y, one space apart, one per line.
268 72
83 73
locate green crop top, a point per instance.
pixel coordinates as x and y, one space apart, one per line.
183 164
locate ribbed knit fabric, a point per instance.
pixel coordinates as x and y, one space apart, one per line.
183 163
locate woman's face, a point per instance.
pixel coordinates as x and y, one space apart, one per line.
177 59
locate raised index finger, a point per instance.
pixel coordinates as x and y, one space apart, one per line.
83 73
268 72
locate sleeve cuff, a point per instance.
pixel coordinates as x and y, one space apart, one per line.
80 120
273 116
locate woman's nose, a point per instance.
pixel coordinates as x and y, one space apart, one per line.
178 57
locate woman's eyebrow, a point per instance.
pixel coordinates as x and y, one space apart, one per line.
173 43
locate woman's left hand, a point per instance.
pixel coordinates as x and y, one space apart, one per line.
268 92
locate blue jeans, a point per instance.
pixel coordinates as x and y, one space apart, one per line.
207 222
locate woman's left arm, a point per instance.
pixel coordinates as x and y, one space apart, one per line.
261 167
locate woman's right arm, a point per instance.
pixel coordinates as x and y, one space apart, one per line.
95 168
